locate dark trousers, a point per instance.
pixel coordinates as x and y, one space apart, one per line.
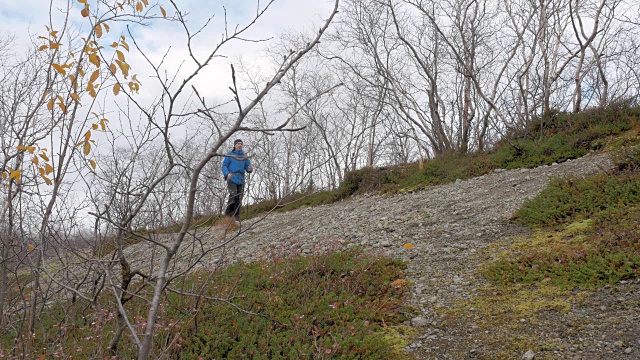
235 199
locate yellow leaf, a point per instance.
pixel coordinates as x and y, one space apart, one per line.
408 246
35 161
120 55
106 27
93 164
50 105
124 44
63 107
20 147
76 98
164 13
116 88
4 175
94 76
54 45
82 1
146 2
46 179
98 31
120 6
15 174
87 135
43 47
124 67
134 86
81 72
94 126
103 124
31 248
114 45
85 11
59 69
44 156
74 83
92 90
54 34
48 169
87 148
94 59
31 149
113 68
139 6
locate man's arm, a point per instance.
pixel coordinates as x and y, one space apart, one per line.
225 166
247 166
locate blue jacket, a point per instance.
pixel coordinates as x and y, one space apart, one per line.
236 163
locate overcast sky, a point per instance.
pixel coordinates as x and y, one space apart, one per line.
25 19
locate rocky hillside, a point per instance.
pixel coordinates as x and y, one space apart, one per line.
444 233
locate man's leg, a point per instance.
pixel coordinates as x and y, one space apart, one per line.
233 198
238 203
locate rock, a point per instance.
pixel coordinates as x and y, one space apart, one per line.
628 350
529 355
419 321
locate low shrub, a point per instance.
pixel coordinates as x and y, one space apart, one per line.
569 200
561 136
326 306
627 159
329 305
589 235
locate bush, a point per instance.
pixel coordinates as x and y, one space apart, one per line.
627 159
598 237
561 136
569 200
330 305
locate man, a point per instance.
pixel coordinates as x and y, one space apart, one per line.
234 166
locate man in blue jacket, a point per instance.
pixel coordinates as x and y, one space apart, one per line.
234 167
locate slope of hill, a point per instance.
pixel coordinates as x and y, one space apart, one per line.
446 233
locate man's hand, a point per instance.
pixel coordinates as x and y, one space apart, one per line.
229 177
250 168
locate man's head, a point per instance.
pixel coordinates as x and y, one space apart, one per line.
237 144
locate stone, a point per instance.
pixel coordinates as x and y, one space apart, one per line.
419 321
529 355
628 350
